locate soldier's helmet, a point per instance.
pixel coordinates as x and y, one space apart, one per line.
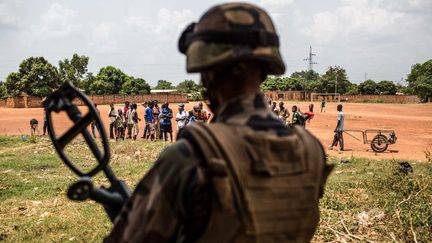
231 33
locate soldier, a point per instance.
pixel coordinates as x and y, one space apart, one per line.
245 177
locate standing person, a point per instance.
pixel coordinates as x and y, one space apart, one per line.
33 126
218 182
297 118
181 119
323 104
145 105
165 122
309 114
135 120
130 122
195 115
274 108
149 120
205 114
338 136
45 123
156 112
112 114
92 124
283 113
125 118
119 123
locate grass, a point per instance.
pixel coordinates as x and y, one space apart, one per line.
365 200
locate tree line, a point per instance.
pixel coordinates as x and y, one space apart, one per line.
37 77
335 80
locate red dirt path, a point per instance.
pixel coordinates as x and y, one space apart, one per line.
412 123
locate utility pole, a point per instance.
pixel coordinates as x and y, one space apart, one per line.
310 59
365 76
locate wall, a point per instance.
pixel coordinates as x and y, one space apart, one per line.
381 98
287 95
306 96
35 102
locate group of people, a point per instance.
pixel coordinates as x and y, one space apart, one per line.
123 123
297 118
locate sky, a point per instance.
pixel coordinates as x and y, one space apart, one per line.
374 39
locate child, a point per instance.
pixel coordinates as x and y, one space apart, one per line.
33 126
310 114
165 122
151 132
135 120
119 124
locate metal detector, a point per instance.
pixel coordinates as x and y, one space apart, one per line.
65 99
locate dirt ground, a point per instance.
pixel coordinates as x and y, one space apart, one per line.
411 122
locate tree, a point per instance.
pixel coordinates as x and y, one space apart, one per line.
163 84
313 86
135 86
306 75
13 84
420 80
35 76
73 70
386 87
188 86
281 84
368 87
334 80
109 80
86 82
353 90
3 90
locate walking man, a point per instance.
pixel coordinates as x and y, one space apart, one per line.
338 136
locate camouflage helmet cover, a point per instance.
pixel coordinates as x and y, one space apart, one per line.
229 33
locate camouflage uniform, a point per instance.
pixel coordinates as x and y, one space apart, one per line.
175 198
191 196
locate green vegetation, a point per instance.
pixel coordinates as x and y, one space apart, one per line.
335 79
420 80
364 199
37 77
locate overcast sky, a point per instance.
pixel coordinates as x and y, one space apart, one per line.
382 38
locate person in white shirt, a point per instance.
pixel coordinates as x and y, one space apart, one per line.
181 118
112 114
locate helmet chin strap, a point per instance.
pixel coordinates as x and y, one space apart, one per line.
212 101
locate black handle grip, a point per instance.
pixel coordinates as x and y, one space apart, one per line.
102 195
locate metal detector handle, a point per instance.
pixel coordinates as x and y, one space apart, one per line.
112 198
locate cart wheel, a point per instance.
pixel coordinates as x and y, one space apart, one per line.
379 143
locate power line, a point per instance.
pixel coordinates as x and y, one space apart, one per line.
310 59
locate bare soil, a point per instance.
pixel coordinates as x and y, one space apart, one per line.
411 122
